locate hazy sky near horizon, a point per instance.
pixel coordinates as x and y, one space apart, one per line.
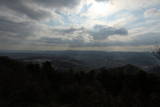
109 25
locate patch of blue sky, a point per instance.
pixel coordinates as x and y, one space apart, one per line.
72 19
137 23
85 8
53 23
115 16
139 19
65 18
138 14
155 6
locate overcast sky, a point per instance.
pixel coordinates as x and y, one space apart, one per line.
108 25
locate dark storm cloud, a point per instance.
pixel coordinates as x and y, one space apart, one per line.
100 32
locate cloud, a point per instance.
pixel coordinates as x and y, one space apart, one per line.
19 32
146 39
25 8
37 9
71 30
102 0
54 22
23 19
74 34
100 32
152 13
150 38
81 36
19 29
15 32
97 32
135 4
58 3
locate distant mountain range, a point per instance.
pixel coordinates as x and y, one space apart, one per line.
86 59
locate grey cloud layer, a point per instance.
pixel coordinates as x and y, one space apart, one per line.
35 9
102 0
19 18
83 36
101 32
14 31
24 7
144 39
58 3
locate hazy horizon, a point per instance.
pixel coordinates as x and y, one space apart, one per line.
134 51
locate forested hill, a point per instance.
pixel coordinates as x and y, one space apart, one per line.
24 84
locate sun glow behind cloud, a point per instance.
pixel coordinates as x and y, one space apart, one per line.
99 9
79 24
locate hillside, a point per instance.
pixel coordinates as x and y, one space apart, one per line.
26 84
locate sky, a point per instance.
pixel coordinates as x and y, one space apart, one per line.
104 25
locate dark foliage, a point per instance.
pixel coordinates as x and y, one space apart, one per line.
33 85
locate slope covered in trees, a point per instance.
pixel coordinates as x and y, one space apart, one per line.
33 85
